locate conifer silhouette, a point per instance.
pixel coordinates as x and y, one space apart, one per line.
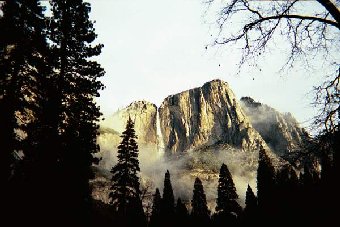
125 192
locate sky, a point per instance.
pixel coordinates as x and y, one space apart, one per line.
155 48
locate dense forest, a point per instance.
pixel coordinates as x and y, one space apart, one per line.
48 131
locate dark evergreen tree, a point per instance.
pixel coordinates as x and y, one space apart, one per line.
76 85
226 193
125 192
336 155
295 198
22 43
155 219
168 201
286 195
227 209
23 67
181 212
10 66
326 167
308 204
251 202
250 212
314 184
326 186
266 185
200 214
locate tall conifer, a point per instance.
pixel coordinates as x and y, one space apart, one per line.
125 193
266 185
155 219
23 67
199 212
181 212
226 193
76 85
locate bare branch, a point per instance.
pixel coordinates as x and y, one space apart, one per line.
276 17
332 9
309 34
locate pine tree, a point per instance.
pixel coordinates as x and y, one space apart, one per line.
199 213
266 185
227 209
125 192
56 111
284 194
226 193
76 84
168 201
22 42
251 202
265 176
287 190
155 219
23 67
181 212
10 65
308 186
181 209
250 212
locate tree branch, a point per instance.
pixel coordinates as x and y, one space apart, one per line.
276 17
332 9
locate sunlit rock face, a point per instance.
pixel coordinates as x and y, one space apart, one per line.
144 115
205 116
281 132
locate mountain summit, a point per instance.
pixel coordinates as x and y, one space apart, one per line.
206 116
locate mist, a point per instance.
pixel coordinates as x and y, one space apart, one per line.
185 167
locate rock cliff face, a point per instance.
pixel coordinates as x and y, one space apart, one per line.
206 116
281 132
203 117
108 141
144 114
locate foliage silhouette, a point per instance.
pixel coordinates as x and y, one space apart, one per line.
125 192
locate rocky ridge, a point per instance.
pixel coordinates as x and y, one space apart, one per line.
280 131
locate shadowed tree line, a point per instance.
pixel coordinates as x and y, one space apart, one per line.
285 196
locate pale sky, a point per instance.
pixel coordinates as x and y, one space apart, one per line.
155 48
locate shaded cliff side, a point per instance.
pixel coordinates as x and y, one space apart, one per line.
281 131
